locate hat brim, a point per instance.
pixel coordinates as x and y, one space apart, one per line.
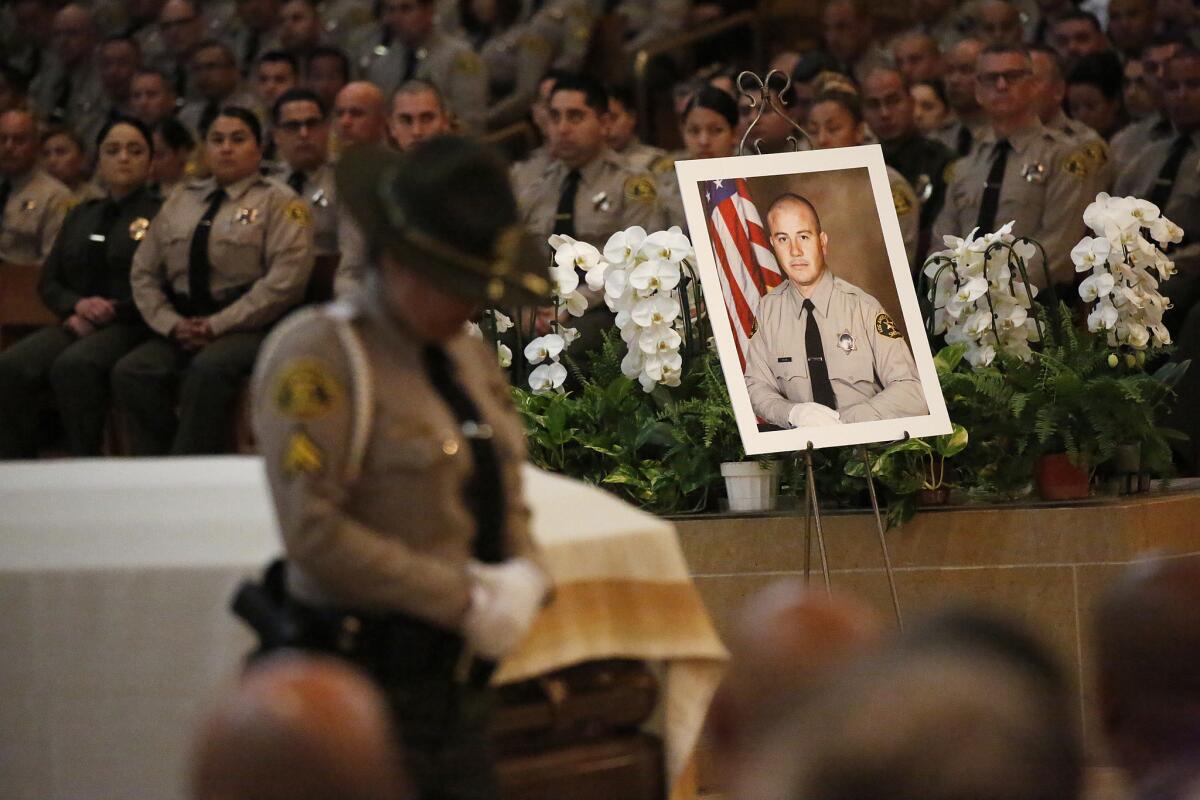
518 275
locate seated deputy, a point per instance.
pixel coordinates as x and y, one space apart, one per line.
824 352
228 256
85 282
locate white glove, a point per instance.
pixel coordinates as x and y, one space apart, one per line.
505 598
813 415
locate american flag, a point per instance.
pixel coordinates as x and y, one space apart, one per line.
745 262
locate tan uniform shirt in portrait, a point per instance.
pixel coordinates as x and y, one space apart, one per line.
36 207
516 60
1094 147
381 525
1047 185
260 250
446 60
870 366
611 197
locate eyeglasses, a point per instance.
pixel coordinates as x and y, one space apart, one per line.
1009 76
297 125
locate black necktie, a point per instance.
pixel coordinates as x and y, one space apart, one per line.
483 492
64 98
964 140
818 371
180 80
410 64
564 218
1161 192
296 181
5 191
251 51
199 267
991 190
98 251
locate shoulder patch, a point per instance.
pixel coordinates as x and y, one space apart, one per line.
885 327
297 211
302 456
662 165
640 188
948 172
466 62
1077 164
1097 151
305 390
901 200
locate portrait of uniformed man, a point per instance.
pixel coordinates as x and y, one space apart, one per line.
824 352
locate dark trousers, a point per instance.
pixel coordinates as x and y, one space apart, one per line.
77 370
445 728
160 376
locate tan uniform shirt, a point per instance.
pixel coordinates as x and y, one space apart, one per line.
870 366
641 156
320 192
86 104
345 20
1094 147
36 207
611 197
516 60
1138 178
260 247
385 529
667 181
651 21
908 213
447 61
1047 185
567 25
1129 141
238 40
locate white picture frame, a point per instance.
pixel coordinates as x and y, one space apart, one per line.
814 169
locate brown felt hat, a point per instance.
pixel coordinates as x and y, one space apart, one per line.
446 208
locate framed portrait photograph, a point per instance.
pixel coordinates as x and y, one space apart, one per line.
811 299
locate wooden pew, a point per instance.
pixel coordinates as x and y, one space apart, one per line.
20 304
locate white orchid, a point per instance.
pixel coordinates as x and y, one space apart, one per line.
504 323
547 377
1127 268
640 284
570 335
504 355
653 276
977 302
576 304
544 347
579 255
1090 252
565 278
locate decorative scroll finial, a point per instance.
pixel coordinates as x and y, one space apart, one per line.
768 100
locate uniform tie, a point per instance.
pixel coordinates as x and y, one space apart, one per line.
964 141
1161 192
5 191
991 190
64 98
483 492
199 267
410 64
180 80
296 180
564 218
818 371
251 51
98 247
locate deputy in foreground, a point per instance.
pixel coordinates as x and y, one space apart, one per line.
393 452
824 352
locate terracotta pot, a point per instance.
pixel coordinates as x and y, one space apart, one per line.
1059 479
934 497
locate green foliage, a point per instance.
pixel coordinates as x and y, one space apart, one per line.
661 450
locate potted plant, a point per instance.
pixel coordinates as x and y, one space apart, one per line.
913 471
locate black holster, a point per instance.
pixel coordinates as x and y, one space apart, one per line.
392 646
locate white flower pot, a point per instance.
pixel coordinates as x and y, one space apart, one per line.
751 487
